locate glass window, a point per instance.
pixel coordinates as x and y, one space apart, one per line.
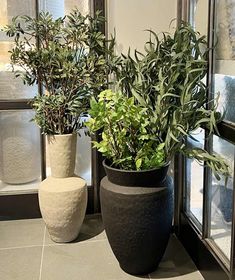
217 225
224 87
60 8
20 161
199 15
224 78
10 87
194 180
83 157
221 200
225 30
13 88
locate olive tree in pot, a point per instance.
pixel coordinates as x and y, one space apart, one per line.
160 101
66 57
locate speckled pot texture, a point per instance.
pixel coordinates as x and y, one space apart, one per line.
63 195
63 203
137 217
62 153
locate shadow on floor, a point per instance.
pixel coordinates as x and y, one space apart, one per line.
176 263
91 227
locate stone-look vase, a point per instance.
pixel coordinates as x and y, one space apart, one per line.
63 204
63 196
62 153
137 209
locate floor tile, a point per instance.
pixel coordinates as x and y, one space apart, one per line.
87 258
93 226
21 233
92 229
83 261
176 264
20 264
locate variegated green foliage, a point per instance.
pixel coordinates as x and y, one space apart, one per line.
68 57
167 82
125 126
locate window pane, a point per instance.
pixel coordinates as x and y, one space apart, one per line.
224 78
83 159
60 8
11 87
194 180
225 29
224 86
221 200
20 166
199 15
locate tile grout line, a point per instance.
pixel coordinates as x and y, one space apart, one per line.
73 243
46 245
20 247
43 246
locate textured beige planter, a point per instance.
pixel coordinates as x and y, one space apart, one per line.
62 153
63 204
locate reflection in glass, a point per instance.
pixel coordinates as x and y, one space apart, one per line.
19 151
221 200
194 181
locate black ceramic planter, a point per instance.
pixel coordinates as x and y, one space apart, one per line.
137 217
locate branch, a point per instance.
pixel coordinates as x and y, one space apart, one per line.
217 164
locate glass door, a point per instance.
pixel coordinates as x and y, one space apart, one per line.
206 216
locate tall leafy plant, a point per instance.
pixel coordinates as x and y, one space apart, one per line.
167 82
68 57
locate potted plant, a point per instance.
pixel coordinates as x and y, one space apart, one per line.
66 57
160 100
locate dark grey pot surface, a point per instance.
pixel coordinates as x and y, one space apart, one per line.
138 222
145 178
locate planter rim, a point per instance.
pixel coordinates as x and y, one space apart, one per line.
61 135
132 171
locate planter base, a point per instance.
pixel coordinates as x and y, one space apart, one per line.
63 204
138 222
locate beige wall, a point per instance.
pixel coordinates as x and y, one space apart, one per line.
131 17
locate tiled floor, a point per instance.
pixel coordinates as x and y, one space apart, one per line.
27 253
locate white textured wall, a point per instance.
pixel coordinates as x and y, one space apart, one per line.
131 17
